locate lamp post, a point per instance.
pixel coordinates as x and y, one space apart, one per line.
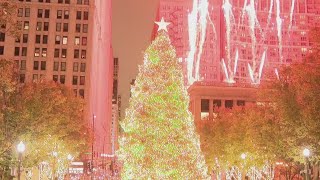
21 148
92 145
55 155
69 157
306 154
243 157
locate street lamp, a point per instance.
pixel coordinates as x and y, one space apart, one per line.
243 156
21 148
55 155
306 154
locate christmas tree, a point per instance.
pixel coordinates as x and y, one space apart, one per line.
159 139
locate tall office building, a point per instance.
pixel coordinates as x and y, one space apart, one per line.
68 41
238 40
228 47
115 106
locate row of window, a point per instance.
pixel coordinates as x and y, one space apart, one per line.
42 65
85 2
45 13
22 51
59 27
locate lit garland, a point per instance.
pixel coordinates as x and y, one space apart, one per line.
159 139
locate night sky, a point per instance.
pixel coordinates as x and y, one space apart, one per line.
131 27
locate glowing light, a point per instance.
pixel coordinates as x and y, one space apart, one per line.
243 156
21 147
306 152
277 73
279 29
291 13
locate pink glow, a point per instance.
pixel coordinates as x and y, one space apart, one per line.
244 39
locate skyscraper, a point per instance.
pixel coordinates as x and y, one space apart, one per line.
68 41
238 41
228 47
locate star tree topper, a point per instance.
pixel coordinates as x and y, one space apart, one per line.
162 25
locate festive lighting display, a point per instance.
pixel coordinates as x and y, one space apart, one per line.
273 21
159 139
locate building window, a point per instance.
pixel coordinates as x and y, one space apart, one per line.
65 40
17 51
65 27
82 80
45 39
27 12
59 14
85 15
74 80
78 16
204 105
36 52
23 65
86 2
55 78
85 28
77 40
40 13
22 78
67 1
43 65
1 50
46 13
26 25
64 53
63 66
45 26
20 12
44 52
66 14
56 53
35 65
83 54
78 28
241 103
84 41
75 67
79 1
81 93
56 66
76 53
62 79
39 26
60 1
38 37
216 103
58 27
2 37
24 51
58 39
25 38
229 104
83 67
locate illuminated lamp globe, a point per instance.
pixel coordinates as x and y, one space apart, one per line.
21 147
243 156
306 152
69 157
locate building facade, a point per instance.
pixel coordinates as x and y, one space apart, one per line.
69 42
238 40
228 47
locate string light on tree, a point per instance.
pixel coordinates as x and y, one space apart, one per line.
159 139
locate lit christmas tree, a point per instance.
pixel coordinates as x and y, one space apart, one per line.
159 139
